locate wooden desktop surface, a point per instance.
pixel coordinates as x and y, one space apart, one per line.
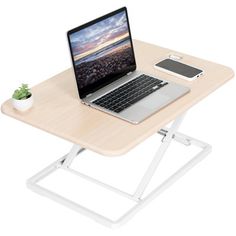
57 108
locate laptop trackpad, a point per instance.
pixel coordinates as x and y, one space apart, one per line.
155 101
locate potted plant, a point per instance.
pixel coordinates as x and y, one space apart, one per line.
22 98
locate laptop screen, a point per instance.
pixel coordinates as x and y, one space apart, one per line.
101 51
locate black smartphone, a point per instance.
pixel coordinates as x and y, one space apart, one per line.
179 69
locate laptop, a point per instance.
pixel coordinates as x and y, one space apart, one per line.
105 70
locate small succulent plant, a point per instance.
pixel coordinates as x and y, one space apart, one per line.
22 92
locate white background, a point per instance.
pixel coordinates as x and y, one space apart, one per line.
33 47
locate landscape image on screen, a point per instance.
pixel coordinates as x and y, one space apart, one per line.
102 50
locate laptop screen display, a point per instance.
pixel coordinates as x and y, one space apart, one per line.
101 51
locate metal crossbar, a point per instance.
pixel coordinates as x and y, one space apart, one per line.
65 162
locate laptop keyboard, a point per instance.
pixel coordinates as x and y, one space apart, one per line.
129 93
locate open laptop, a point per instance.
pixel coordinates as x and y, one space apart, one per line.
105 71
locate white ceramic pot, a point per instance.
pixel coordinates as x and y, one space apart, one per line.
24 104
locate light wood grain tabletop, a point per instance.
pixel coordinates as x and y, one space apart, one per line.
58 110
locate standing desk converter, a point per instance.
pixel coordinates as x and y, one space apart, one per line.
58 111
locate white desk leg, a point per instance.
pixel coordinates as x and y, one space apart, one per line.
206 149
75 150
65 162
158 157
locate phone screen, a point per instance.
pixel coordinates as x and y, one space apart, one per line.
179 68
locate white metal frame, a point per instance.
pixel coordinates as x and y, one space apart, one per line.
65 162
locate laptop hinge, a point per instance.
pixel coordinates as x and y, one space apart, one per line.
129 73
88 95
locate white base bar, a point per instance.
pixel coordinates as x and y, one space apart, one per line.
64 163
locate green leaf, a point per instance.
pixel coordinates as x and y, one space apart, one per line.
22 92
